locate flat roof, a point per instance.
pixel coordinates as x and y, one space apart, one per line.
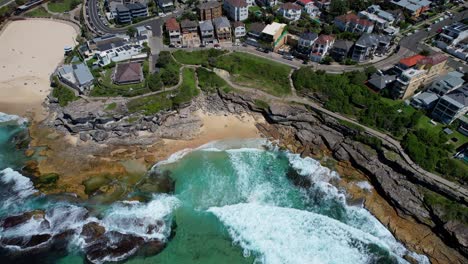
273 28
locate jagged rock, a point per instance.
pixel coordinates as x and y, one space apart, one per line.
84 137
99 135
16 220
92 231
459 233
113 245
79 127
25 242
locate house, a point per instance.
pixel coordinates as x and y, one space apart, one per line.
123 53
166 5
210 10
190 36
409 62
323 4
306 41
274 35
452 105
223 29
267 3
308 6
352 23
254 33
122 14
369 44
290 11
341 49
173 29
207 32
425 100
76 76
109 41
408 82
452 35
434 64
127 73
379 81
126 13
387 16
413 7
321 47
379 23
239 29
143 31
447 83
237 10
138 9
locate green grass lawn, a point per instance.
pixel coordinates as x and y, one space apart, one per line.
424 122
209 82
152 104
38 12
196 57
107 88
60 6
255 72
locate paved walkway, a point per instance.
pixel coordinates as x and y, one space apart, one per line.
436 179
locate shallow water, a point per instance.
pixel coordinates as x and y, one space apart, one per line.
234 202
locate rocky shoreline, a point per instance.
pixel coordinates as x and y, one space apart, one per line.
398 200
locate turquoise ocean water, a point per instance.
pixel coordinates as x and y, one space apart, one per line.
234 202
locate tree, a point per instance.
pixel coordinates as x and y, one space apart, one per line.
154 82
370 70
338 7
425 52
131 32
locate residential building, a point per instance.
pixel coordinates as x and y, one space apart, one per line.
408 82
379 81
379 23
138 9
126 13
223 29
414 7
143 31
433 64
190 36
274 35
239 29
321 47
341 49
452 105
210 10
425 100
323 4
409 62
250 2
122 14
459 50
368 45
173 29
109 40
123 53
452 35
166 5
447 83
376 10
237 10
127 73
308 6
306 41
267 3
76 76
254 33
352 23
207 32
290 11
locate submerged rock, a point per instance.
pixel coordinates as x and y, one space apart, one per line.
113 246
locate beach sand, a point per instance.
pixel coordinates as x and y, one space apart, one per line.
30 52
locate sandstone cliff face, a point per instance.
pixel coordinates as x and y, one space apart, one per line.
390 177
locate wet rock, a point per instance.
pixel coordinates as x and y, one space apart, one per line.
25 242
31 167
92 231
13 221
29 152
113 246
49 178
151 248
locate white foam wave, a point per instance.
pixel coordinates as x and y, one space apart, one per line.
22 187
311 168
174 157
10 118
365 185
285 235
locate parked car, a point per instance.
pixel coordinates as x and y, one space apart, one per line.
288 57
202 45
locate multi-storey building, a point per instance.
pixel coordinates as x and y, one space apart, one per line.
210 10
223 29
237 10
452 106
173 29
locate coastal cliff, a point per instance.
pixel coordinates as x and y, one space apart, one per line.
399 200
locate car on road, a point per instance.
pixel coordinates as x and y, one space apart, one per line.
288 57
202 45
428 29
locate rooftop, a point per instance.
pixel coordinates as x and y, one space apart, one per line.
290 6
188 24
128 72
257 27
309 36
369 40
433 59
381 81
237 3
209 5
411 61
343 44
352 17
221 22
458 97
325 39
426 98
171 24
273 28
206 25
238 24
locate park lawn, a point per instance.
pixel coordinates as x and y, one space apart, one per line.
424 123
209 81
188 88
196 57
151 104
38 12
61 6
107 88
255 72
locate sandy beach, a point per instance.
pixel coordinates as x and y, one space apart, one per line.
30 52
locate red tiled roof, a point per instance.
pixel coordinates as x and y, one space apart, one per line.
304 2
171 24
324 39
237 3
290 6
411 61
433 59
351 17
